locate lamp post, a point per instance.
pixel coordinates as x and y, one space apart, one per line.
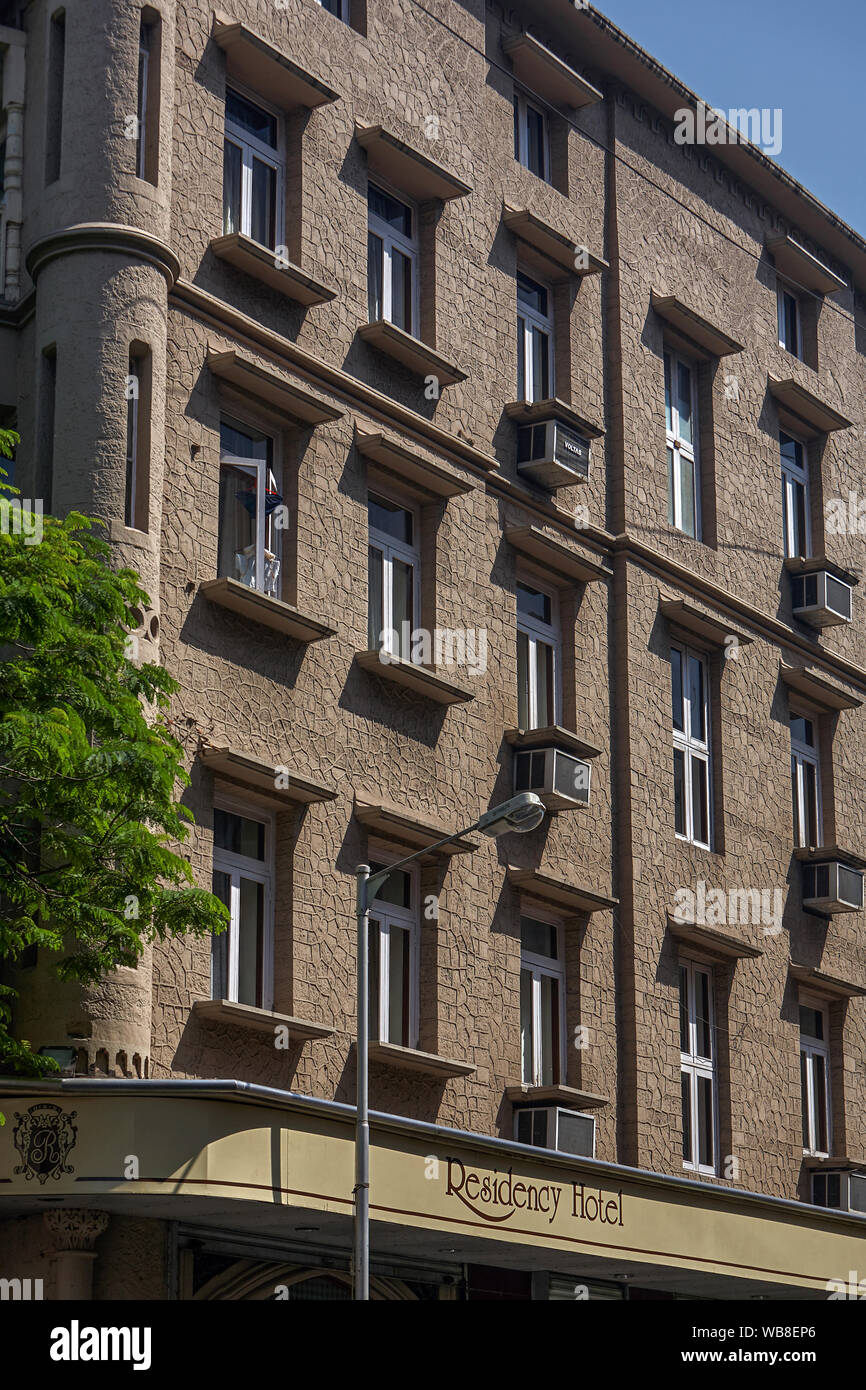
520 814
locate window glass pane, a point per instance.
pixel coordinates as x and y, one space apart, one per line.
684 402
791 450
686 1095
250 942
688 521
697 711
373 981
375 272
811 1022
398 986
264 202
549 1024
238 834
401 605
375 598
803 730
521 358
679 791
685 1045
522 680
800 533
677 687
533 603
820 1082
706 1156
251 119
804 1098
389 518
535 141
396 889
243 443
795 797
516 128
700 801
231 188
704 1040
671 512
222 889
810 796
540 365
526 1026
237 524
390 210
538 938
531 294
401 291
131 441
544 716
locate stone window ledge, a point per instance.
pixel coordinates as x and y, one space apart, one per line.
298 404
799 265
410 466
551 736
410 1059
693 328
266 69
258 1020
260 262
410 352
264 609
263 777
407 168
547 249
555 1095
800 410
543 72
566 560
419 679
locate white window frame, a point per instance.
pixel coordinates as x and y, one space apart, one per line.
522 107
249 147
696 1066
680 449
393 549
409 247
402 919
801 755
816 1049
792 474
783 289
259 871
144 36
693 748
550 635
527 320
537 967
268 538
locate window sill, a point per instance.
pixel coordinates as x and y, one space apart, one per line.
555 1095
410 1059
410 352
258 1020
553 735
264 609
260 262
419 679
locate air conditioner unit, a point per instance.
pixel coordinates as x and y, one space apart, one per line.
832 887
840 1189
559 779
551 1127
820 599
552 454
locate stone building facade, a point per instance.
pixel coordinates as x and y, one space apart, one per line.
346 315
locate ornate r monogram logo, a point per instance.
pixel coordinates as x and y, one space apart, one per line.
44 1137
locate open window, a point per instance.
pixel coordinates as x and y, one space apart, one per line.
249 539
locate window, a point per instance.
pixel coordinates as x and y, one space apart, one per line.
815 1079
392 261
795 497
248 536
144 35
531 140
393 590
133 402
790 329
697 1067
534 340
538 658
242 957
805 782
252 171
54 94
691 746
394 930
340 8
681 435
542 1003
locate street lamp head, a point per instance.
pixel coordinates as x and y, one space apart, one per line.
521 814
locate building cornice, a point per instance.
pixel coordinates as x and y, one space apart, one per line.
103 236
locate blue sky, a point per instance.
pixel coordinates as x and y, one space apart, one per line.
807 57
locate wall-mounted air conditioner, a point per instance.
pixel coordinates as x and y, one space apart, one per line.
839 1189
820 599
552 454
832 887
551 1127
559 779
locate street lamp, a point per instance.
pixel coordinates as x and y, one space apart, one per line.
521 814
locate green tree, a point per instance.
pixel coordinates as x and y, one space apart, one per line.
89 768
